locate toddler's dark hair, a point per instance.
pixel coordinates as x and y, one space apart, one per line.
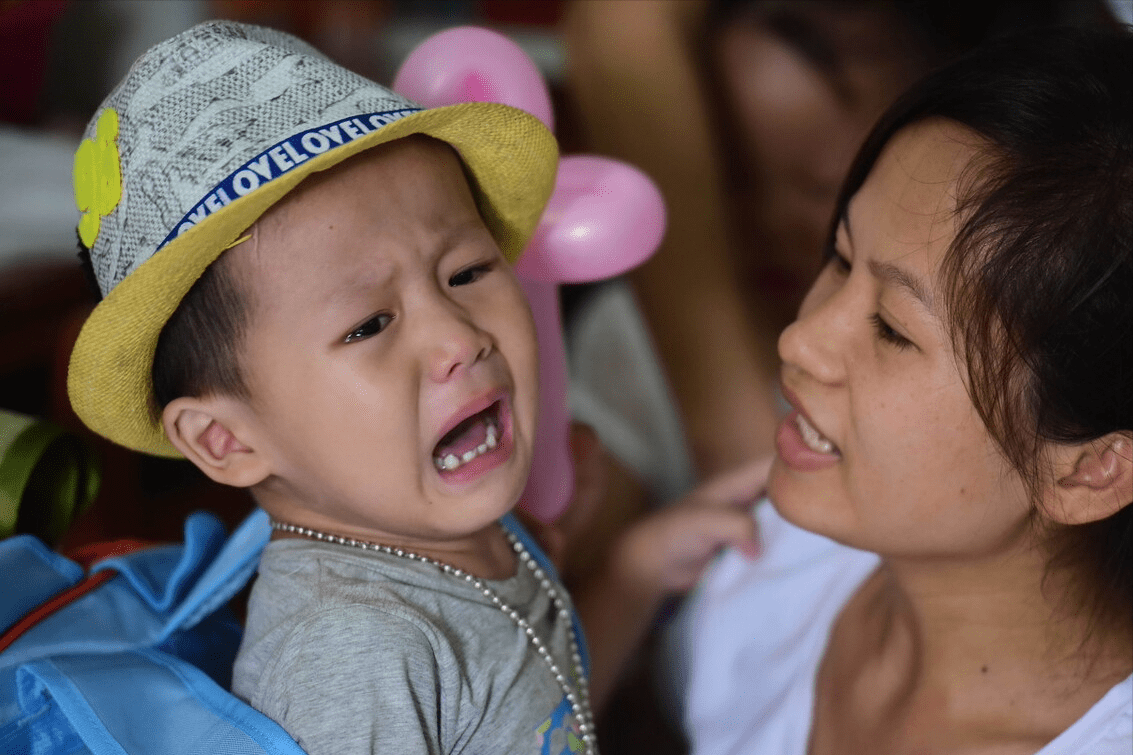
198 351
1038 283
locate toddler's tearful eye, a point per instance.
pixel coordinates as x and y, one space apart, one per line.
470 275
373 326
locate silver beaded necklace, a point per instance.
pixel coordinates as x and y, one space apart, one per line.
579 698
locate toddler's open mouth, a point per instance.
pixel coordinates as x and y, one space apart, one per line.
472 438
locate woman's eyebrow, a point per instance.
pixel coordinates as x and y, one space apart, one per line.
901 278
892 274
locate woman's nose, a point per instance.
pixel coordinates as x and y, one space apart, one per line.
816 342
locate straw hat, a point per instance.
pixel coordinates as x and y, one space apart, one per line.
205 133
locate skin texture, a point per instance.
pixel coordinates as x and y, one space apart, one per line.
961 641
383 313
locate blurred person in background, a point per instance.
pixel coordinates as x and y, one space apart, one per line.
747 114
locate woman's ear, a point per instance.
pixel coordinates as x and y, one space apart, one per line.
1095 479
211 433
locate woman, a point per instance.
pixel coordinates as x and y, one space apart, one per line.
948 565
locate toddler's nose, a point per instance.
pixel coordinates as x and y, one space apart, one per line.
455 343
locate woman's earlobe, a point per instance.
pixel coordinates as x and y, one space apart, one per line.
207 432
1099 483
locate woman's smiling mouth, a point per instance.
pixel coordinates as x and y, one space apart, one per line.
810 435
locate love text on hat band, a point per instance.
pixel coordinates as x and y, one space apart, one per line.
281 158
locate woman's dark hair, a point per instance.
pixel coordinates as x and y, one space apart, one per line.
1038 283
198 351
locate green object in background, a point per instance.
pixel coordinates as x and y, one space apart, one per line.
47 477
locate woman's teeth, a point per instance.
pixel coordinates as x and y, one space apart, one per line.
812 437
451 461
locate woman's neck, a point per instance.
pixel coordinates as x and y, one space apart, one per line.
934 650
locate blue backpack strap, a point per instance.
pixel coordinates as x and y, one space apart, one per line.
514 526
43 573
226 574
158 595
140 701
122 670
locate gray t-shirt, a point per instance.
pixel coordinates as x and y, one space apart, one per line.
357 652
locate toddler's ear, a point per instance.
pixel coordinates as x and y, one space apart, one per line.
1095 479
211 434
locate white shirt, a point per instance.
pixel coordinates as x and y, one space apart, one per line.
745 650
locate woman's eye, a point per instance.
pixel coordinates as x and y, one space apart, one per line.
373 326
887 334
470 274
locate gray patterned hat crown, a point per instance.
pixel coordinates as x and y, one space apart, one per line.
209 116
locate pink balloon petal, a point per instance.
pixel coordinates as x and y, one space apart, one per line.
472 64
604 218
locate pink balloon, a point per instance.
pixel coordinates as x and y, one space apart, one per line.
603 218
551 482
471 64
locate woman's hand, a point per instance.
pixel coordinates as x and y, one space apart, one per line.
659 555
667 551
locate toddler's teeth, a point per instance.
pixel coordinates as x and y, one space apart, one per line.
451 461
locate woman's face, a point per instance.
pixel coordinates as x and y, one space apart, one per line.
883 449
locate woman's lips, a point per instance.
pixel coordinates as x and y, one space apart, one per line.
799 442
796 453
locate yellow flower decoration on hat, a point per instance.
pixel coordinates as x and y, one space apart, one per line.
98 177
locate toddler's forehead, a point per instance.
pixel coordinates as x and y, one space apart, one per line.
429 174
321 190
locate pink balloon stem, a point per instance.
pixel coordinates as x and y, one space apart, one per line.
551 484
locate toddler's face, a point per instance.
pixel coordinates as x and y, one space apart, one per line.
391 354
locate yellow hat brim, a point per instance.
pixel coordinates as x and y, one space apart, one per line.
509 154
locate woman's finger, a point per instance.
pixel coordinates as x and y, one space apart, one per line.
741 485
